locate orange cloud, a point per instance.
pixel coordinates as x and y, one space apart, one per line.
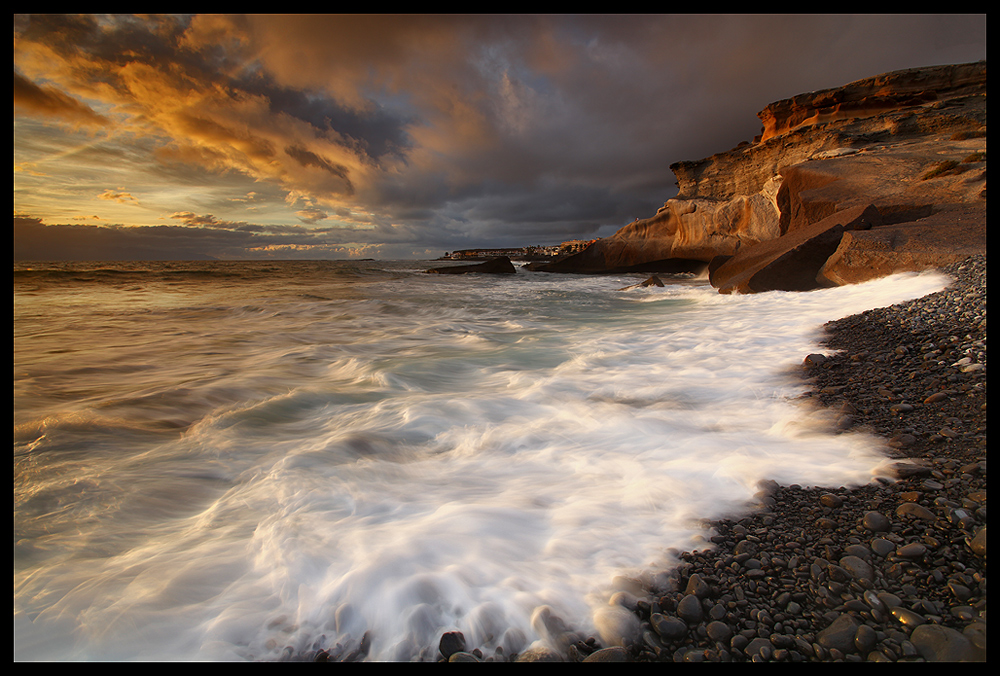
33 99
116 196
166 89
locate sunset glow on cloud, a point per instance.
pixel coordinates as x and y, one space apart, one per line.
400 136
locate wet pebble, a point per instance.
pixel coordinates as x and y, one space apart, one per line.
891 571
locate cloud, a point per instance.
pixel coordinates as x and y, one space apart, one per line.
450 130
35 99
312 215
117 196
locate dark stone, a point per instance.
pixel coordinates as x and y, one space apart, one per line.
689 609
916 511
937 643
793 261
451 642
874 521
857 567
652 281
719 632
669 628
840 634
697 586
499 265
613 654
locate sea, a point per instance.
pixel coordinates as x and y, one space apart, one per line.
253 461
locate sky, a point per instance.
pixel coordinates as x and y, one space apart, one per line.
401 136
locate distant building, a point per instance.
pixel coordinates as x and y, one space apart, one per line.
521 252
575 245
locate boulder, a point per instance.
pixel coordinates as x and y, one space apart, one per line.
652 281
499 265
792 262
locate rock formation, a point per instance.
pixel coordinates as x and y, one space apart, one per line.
910 143
498 265
652 281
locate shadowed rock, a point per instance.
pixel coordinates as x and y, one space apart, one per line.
652 281
791 262
500 265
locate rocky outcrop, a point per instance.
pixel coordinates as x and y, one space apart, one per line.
498 265
875 142
652 281
792 262
872 96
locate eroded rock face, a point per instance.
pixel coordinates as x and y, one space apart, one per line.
871 142
792 262
873 96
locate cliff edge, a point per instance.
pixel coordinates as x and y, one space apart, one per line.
906 148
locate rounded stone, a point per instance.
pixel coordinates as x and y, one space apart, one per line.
914 550
908 617
830 500
960 591
857 567
882 547
859 550
451 642
462 656
759 647
876 522
697 586
689 609
613 654
539 654
937 643
978 543
840 634
916 511
669 628
865 639
719 631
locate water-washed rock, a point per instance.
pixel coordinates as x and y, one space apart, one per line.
689 609
499 265
615 654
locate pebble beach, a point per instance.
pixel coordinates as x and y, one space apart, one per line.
893 571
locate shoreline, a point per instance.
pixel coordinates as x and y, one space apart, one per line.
889 571
892 571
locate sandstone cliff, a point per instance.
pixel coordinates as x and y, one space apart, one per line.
912 143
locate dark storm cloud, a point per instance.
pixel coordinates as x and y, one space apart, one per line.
310 159
378 131
49 101
445 128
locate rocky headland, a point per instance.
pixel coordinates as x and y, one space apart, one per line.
908 146
884 175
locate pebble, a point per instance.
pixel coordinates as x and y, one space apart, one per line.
874 521
894 570
936 643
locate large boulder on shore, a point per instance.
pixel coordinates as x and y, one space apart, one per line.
792 262
499 265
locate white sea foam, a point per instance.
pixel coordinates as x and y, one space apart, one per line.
413 455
